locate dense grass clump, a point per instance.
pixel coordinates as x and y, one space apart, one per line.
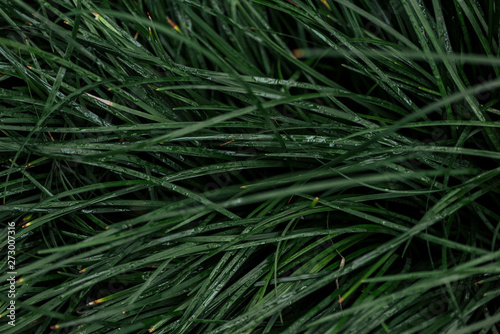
250 166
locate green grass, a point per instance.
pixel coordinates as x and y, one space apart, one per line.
251 166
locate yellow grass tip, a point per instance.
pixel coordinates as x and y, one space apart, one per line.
173 24
28 217
97 301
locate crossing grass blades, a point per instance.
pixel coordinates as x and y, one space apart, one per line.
265 166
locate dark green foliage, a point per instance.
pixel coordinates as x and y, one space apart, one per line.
242 166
